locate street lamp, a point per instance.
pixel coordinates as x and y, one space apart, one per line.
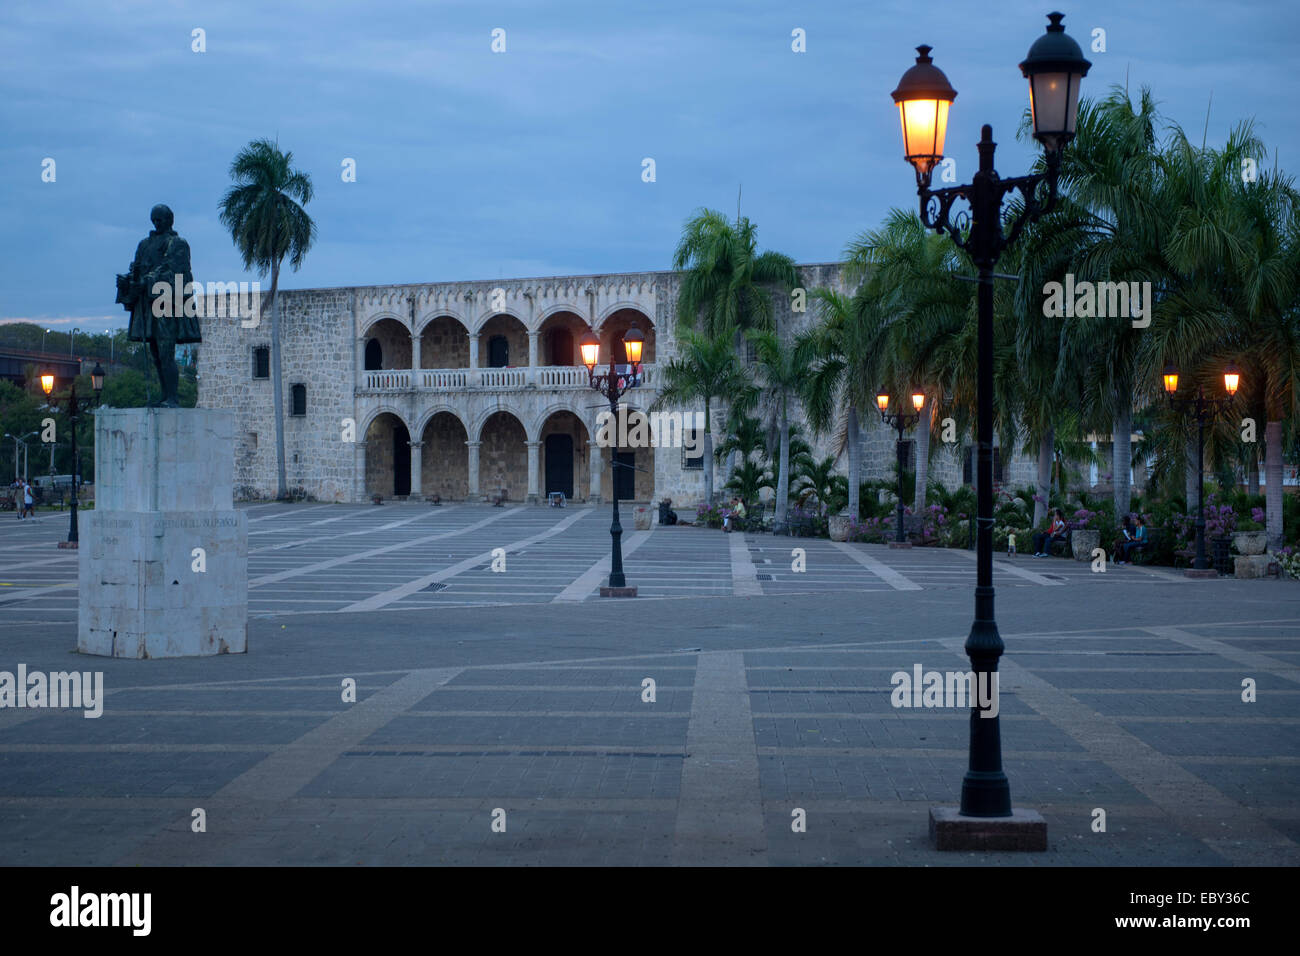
1054 67
900 420
44 332
75 407
23 442
71 339
1205 410
612 384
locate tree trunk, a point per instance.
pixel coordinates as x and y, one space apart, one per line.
1273 484
1189 475
922 459
783 473
1122 458
277 386
1253 472
855 462
1045 448
708 456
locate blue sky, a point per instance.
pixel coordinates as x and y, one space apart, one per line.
480 165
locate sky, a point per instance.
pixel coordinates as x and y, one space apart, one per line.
478 165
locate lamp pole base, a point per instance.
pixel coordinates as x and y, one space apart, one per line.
900 544
607 591
1201 573
1025 830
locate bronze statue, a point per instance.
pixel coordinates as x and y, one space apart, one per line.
162 317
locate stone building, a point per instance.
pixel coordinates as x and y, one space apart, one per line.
468 389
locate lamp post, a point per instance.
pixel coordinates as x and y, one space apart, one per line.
23 442
72 339
900 421
75 407
612 385
1054 67
1205 410
44 332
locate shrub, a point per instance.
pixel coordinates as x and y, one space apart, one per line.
1288 559
709 515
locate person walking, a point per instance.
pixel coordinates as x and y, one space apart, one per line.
27 501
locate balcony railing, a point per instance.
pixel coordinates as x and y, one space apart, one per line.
459 379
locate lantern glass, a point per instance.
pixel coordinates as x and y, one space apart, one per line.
633 340
925 127
1170 375
1054 67
918 400
590 348
882 401
97 377
1231 379
47 383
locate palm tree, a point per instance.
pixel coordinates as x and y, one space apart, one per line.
912 310
707 368
727 283
783 370
264 213
844 377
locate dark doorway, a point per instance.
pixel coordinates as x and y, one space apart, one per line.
559 464
401 460
498 352
374 356
625 475
561 347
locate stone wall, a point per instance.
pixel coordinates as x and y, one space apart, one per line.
317 350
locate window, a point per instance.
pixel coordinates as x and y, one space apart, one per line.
751 352
374 356
692 449
261 362
498 352
298 400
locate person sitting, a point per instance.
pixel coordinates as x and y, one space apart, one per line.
1055 532
1125 536
1140 540
729 516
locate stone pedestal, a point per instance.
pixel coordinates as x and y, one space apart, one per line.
838 527
164 555
1252 565
641 518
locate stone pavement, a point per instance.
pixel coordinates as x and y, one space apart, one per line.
522 693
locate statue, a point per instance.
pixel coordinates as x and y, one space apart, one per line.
163 318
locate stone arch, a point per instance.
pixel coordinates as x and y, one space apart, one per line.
558 336
444 455
550 310
388 455
618 320
442 310
640 456
364 425
394 337
503 454
422 422
488 315
444 343
563 451
509 334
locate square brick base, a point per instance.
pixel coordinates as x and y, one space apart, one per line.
1024 830
1202 573
606 591
900 544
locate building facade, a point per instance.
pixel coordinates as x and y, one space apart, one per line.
470 390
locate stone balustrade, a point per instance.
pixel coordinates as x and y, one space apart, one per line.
461 379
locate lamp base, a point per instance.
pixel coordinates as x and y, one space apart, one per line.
69 544
606 591
900 544
1201 573
1025 831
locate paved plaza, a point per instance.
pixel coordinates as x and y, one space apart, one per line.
519 698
